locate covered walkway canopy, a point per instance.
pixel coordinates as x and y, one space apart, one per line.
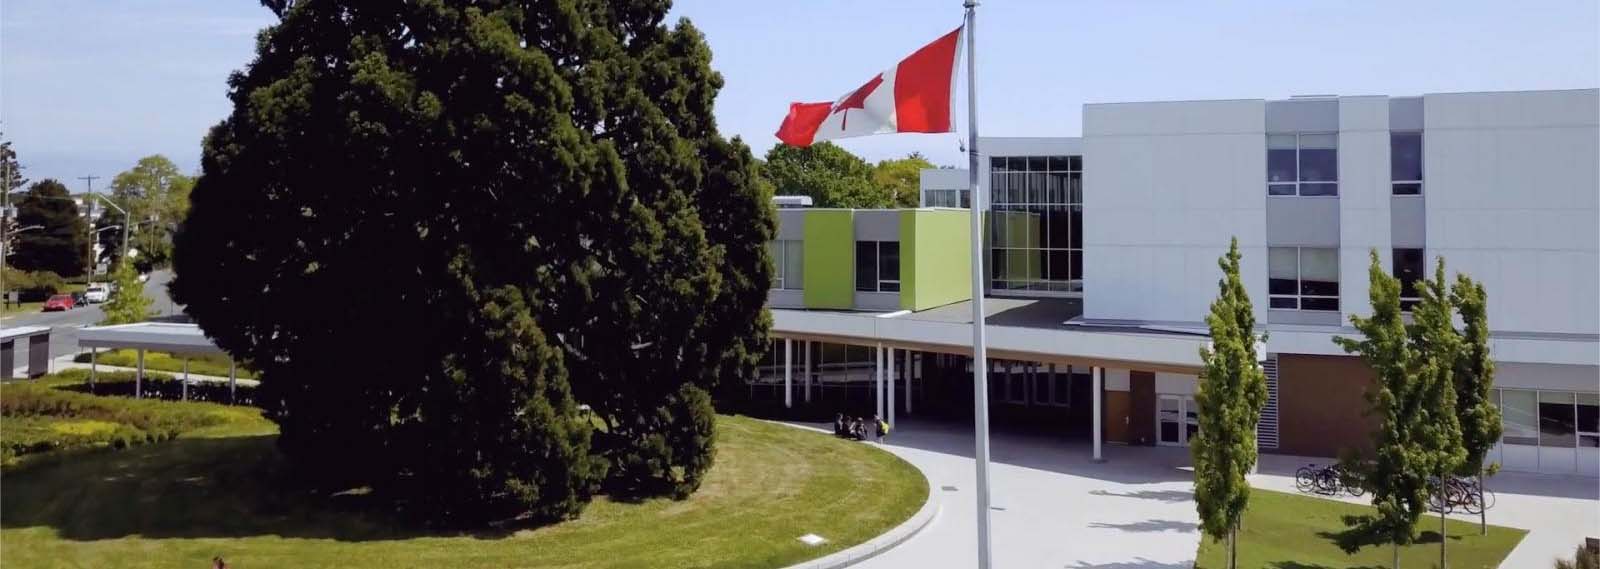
1043 330
173 337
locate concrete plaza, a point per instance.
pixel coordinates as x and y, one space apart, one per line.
1052 506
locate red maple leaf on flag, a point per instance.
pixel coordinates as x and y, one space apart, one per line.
856 100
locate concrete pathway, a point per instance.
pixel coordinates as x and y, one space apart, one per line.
1052 506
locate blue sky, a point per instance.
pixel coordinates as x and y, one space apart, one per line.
89 87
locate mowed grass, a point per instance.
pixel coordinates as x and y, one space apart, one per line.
200 364
1286 531
180 503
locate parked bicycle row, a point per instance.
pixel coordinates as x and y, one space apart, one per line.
1334 479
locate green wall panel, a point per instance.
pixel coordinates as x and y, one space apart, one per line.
830 250
935 258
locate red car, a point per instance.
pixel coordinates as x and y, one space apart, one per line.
59 302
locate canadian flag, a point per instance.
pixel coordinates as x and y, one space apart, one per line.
913 96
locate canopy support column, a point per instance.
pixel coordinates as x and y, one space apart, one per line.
788 373
1099 410
138 377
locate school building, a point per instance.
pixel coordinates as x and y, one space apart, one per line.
1102 261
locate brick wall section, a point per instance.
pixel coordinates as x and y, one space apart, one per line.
1142 426
1321 405
1117 418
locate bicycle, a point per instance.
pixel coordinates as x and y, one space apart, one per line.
1328 480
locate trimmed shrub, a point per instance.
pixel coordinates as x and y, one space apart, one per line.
40 418
34 286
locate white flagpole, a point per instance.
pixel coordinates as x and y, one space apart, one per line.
980 356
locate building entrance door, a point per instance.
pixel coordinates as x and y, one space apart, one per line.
1177 419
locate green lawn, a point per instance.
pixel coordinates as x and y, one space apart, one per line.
179 503
1287 531
213 365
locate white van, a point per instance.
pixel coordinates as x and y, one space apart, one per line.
97 293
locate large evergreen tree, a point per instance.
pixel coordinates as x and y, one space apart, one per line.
1231 392
1396 475
1474 381
61 244
437 229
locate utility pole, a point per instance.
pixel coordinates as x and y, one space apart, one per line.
88 217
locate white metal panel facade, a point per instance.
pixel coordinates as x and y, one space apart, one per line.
1511 199
1166 185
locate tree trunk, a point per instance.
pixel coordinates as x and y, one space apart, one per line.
1483 506
1396 556
1233 548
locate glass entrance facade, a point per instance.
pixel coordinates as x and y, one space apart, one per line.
1036 224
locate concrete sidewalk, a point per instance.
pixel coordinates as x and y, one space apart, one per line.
1051 505
1054 507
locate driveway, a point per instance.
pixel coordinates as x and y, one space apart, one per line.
1052 506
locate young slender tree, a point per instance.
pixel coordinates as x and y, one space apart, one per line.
1396 474
127 304
1436 344
1231 393
1474 379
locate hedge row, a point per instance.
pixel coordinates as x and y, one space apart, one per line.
214 365
40 417
34 286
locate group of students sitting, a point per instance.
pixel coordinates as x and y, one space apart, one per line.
859 428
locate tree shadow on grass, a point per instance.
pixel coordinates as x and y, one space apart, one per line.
196 488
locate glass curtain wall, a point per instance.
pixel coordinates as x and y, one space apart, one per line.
1036 223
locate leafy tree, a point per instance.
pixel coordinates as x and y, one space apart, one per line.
61 246
1474 382
156 195
522 206
127 304
831 175
1231 393
1397 473
902 178
1436 345
10 170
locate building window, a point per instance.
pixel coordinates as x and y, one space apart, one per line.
1408 267
1557 419
1589 420
947 198
1519 412
1405 163
1304 164
1303 278
1036 223
878 266
788 259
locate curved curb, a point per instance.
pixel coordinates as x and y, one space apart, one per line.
883 542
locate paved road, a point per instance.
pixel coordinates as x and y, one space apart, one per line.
64 325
